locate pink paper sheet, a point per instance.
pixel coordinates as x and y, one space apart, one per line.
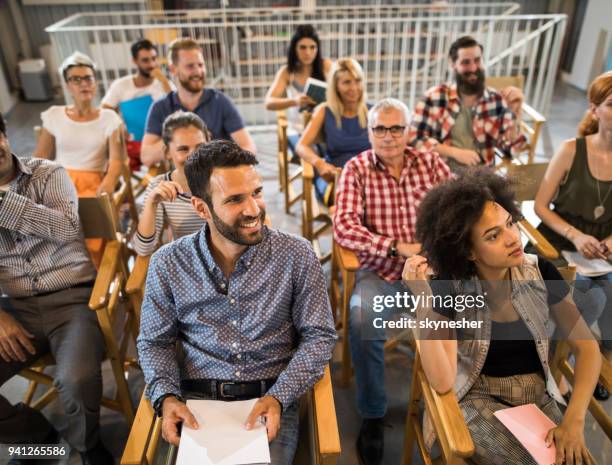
530 426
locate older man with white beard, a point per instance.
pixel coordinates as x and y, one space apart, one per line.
377 200
214 107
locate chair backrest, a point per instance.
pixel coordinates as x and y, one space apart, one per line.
97 217
568 273
528 177
501 82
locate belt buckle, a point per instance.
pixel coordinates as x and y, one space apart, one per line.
221 389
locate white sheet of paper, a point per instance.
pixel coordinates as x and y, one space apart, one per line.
222 438
586 267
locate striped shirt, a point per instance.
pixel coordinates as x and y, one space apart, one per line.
373 209
179 215
41 244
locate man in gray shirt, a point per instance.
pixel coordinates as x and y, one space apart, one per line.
46 278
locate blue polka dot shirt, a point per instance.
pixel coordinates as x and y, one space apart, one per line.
270 319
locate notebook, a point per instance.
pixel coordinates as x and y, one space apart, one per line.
587 267
134 113
530 426
316 89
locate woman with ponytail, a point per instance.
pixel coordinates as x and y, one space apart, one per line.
578 183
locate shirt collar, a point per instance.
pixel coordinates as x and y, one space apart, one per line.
246 259
204 98
410 155
22 168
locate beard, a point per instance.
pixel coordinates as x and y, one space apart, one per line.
232 232
467 87
193 86
144 73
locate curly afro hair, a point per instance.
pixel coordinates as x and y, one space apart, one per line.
450 210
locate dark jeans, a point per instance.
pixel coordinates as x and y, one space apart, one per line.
63 325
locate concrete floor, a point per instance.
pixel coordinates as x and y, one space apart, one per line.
567 109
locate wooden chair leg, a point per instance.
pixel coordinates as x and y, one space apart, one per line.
45 399
413 418
32 386
348 281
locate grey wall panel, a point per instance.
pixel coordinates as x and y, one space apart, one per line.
38 17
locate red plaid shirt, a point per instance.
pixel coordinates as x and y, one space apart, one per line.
373 209
493 124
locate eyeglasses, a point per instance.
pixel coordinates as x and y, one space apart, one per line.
396 131
78 79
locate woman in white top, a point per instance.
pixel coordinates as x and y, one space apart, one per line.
303 61
83 138
168 198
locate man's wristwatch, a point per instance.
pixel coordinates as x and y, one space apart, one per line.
157 406
392 252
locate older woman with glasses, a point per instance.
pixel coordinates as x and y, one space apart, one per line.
82 137
342 120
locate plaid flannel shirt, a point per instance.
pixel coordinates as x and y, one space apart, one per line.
373 208
493 124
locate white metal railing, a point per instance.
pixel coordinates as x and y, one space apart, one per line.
403 49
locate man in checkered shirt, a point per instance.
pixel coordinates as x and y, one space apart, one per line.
465 121
377 199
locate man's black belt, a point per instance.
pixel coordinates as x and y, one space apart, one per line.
226 390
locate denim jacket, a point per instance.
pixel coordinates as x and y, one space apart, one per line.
529 299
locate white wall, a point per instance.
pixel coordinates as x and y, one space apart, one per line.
597 17
7 100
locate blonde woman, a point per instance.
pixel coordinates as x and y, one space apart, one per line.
342 119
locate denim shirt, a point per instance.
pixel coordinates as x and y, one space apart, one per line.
529 299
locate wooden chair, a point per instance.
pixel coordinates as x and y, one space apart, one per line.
531 120
319 437
446 417
529 177
344 266
285 178
561 367
98 218
316 218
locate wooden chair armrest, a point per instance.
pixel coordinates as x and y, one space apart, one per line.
138 276
447 419
325 416
347 258
307 170
451 421
281 119
106 275
541 244
533 114
605 376
140 433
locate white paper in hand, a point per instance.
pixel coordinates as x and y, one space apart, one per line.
587 267
222 438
